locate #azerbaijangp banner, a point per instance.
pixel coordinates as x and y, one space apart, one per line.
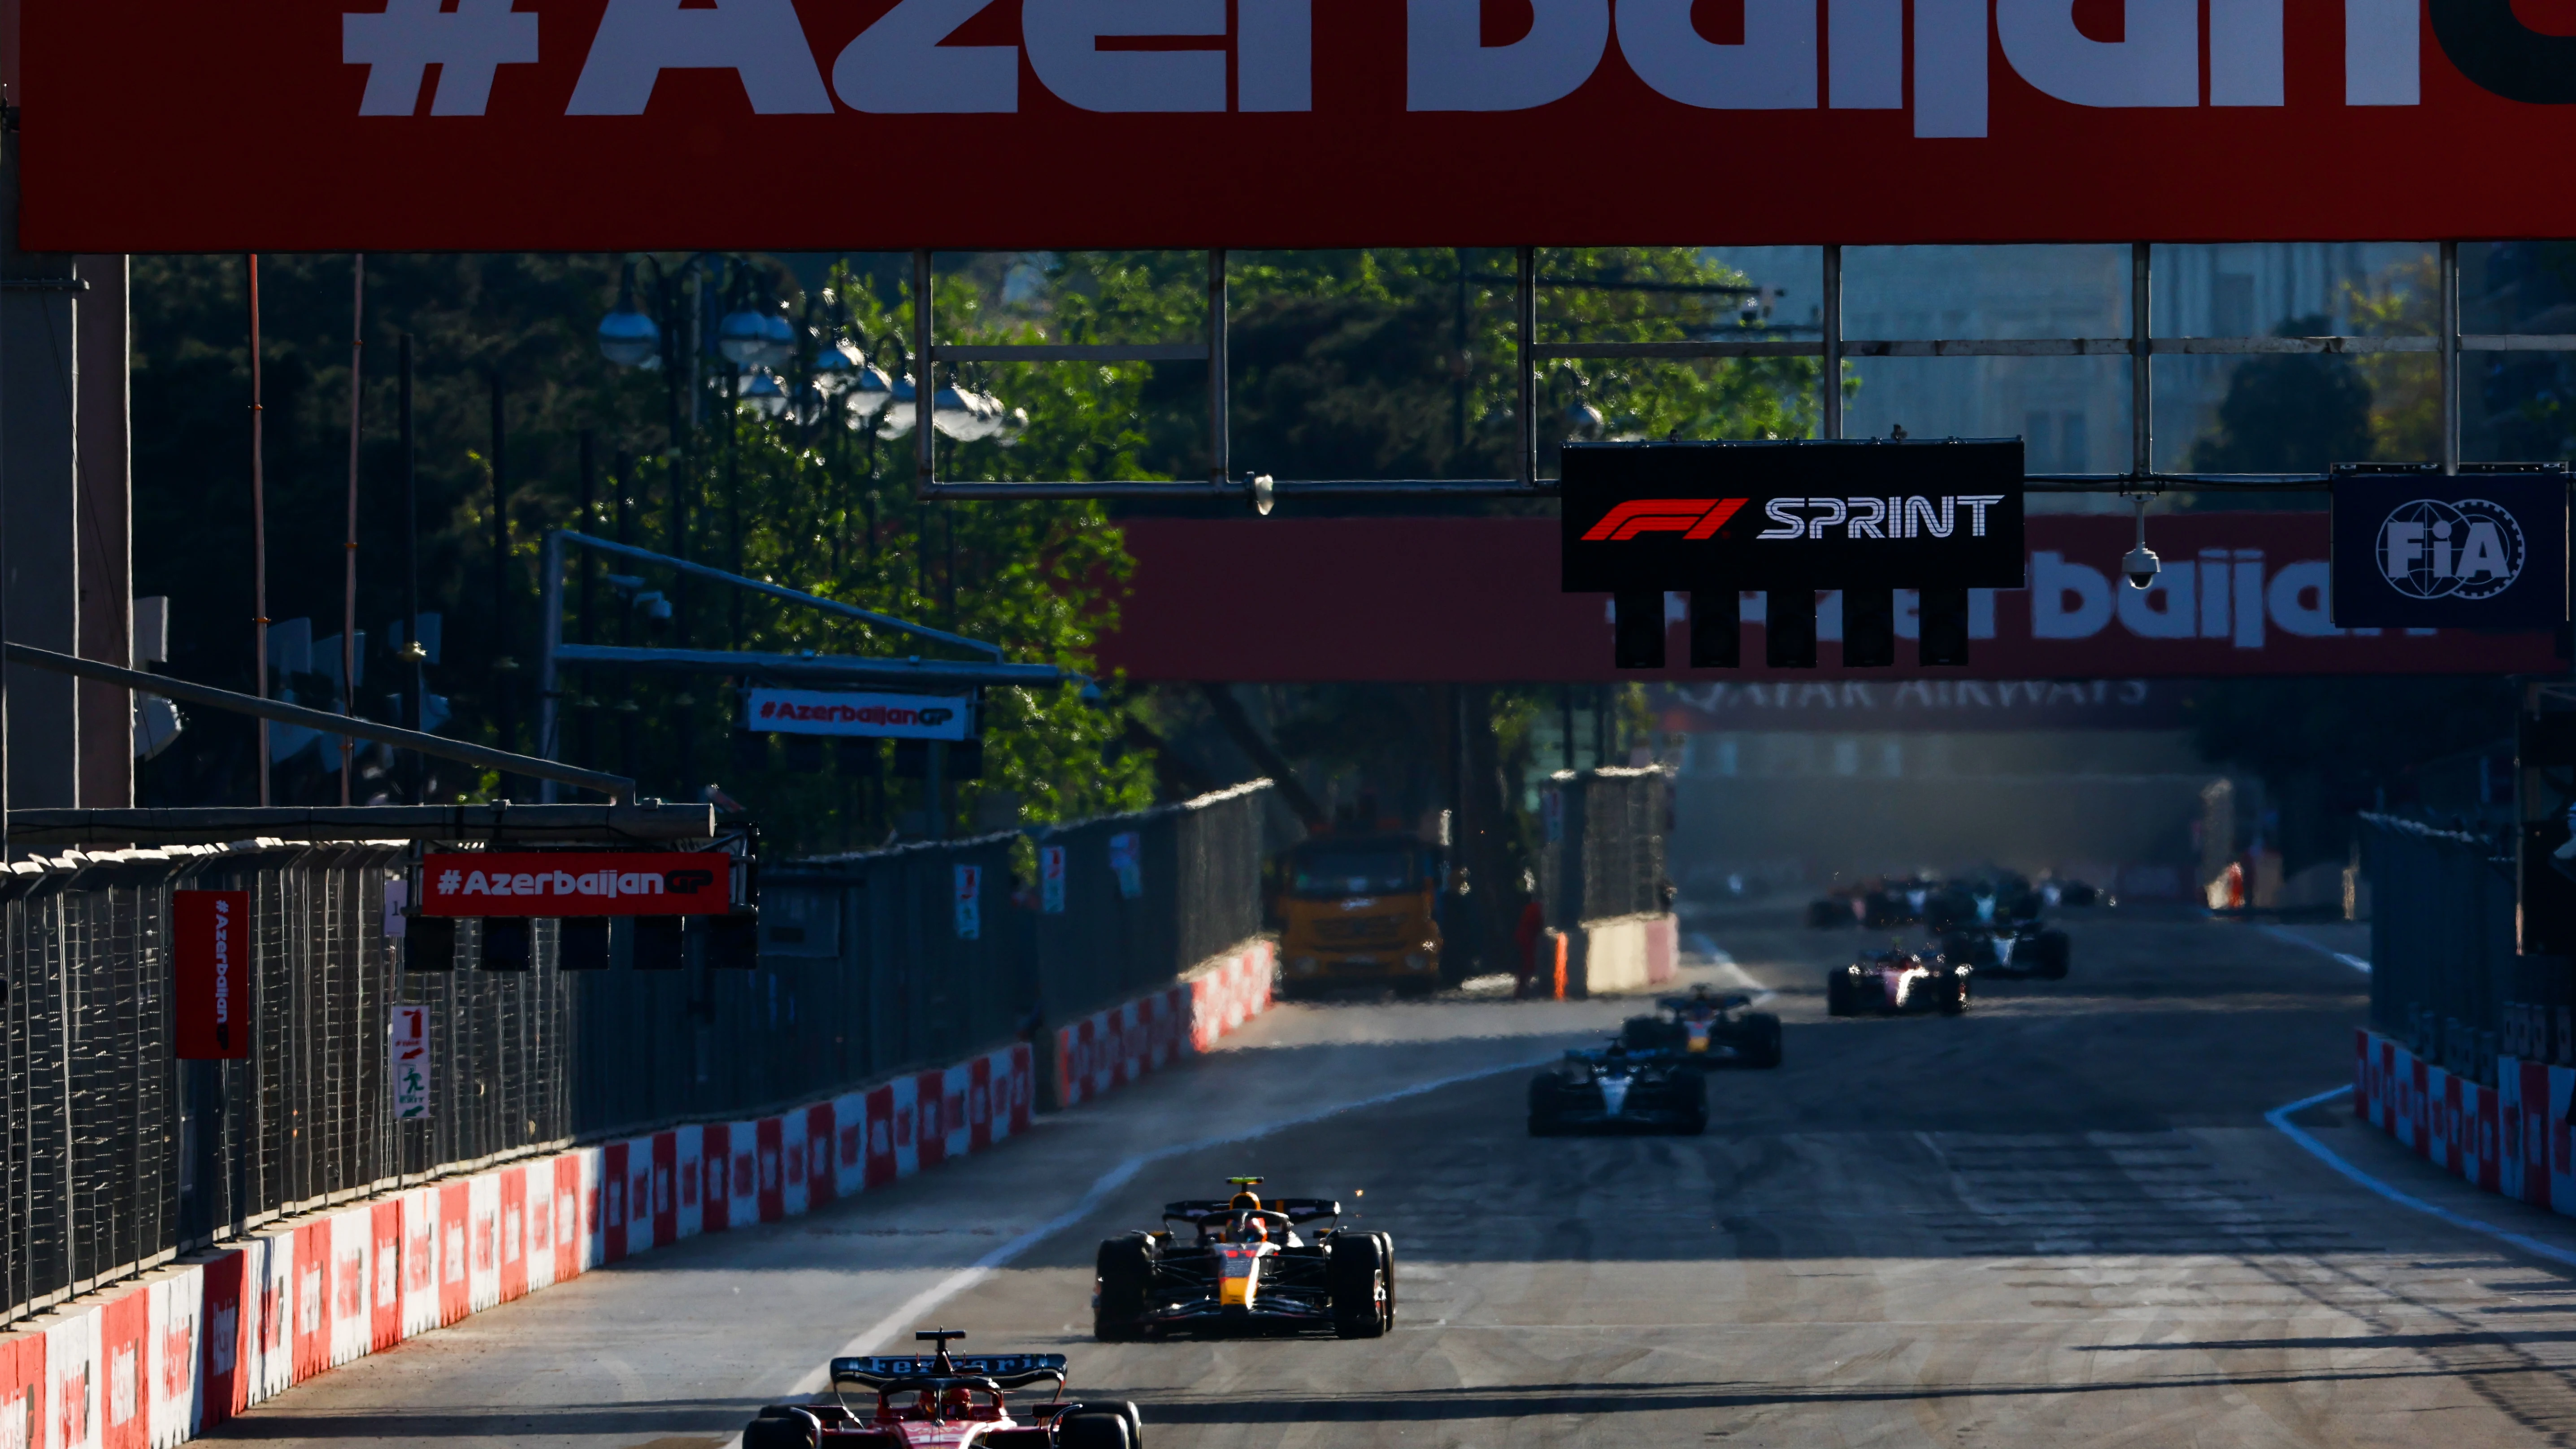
577 883
619 124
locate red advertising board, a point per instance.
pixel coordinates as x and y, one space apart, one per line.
211 957
1475 600
601 124
577 883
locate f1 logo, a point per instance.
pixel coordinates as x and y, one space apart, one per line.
1692 518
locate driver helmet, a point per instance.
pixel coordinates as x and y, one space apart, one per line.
1255 1230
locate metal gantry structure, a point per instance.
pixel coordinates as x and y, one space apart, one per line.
2141 346
912 673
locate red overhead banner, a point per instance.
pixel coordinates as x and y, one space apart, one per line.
1475 600
211 951
577 883
179 125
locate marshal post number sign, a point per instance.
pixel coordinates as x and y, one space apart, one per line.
383 125
1917 514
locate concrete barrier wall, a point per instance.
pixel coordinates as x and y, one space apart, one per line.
1110 1048
168 1356
1630 953
2511 1138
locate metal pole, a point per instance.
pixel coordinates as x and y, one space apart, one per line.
501 557
418 652
624 482
2142 372
349 581
1830 423
925 383
1220 438
1525 329
589 503
934 788
549 636
258 528
2450 354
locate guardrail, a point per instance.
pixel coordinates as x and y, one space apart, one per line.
114 1157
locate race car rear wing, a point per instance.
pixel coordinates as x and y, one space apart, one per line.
1006 1370
1297 1209
1732 1001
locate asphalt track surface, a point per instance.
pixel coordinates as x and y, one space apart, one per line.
2061 1219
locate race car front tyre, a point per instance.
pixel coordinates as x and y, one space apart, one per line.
776 1428
1088 1428
2053 951
1356 1276
1838 1000
1126 1276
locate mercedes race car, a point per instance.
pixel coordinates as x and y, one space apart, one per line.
2018 948
1898 983
1706 1030
1242 1266
1617 1090
945 1401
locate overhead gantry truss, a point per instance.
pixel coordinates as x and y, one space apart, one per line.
2141 347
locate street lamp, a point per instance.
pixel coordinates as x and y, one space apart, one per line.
627 335
763 393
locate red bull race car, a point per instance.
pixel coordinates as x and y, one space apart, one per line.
1240 1265
1704 1029
945 1401
1898 983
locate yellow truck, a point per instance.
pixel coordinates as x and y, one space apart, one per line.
1359 911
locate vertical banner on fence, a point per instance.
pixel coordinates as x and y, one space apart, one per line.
970 902
1127 862
210 953
410 1062
1051 880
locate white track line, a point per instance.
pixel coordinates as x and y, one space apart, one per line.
2280 1117
2284 933
921 1303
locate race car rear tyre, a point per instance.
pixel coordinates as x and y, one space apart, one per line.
1126 1273
1954 999
1762 1045
2053 951
1356 1276
1092 1429
1386 1256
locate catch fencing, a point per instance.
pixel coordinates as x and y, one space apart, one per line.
114 1157
2446 979
1603 852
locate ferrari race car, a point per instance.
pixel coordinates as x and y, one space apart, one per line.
945 1402
1244 1267
1705 1030
1898 983
2018 948
1618 1090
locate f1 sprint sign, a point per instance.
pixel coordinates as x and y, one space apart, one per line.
1918 514
596 124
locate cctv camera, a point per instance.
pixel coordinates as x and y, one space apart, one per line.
2141 566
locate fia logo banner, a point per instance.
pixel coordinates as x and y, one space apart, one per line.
2484 550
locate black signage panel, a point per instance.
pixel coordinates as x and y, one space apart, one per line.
2486 549
1864 514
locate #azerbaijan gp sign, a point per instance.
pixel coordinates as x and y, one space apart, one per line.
2482 550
